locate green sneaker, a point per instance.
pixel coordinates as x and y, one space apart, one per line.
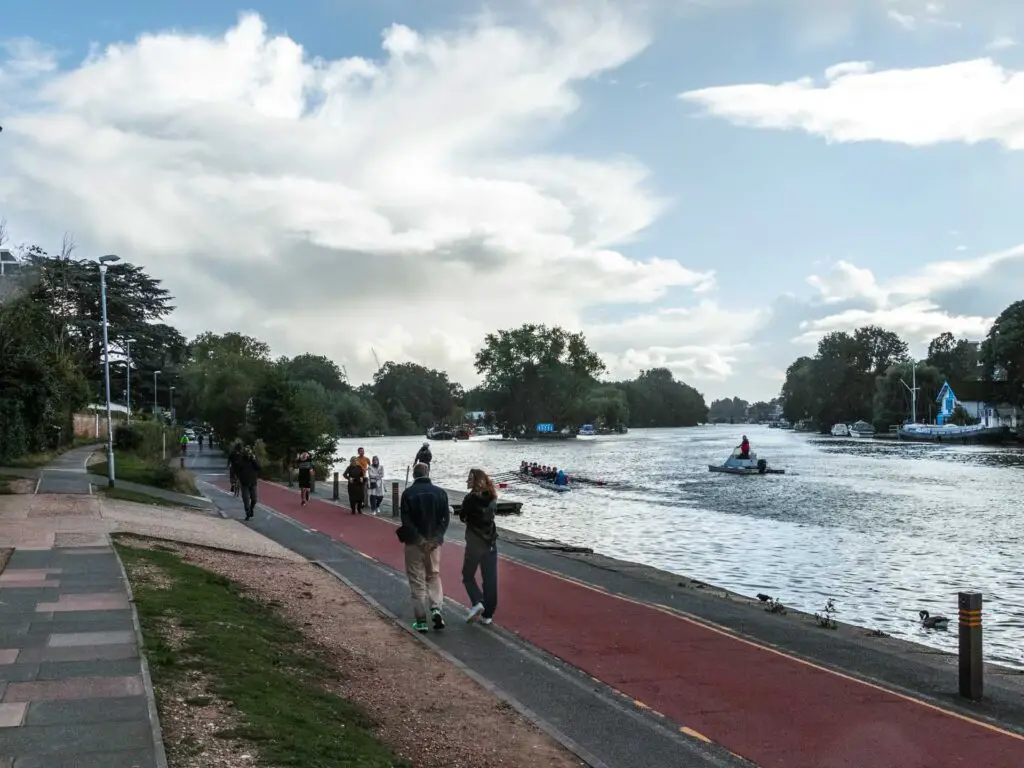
420 626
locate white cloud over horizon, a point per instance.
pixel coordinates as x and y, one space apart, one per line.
409 203
967 101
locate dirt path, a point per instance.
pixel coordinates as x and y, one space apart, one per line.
428 711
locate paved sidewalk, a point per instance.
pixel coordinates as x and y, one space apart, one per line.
67 472
74 692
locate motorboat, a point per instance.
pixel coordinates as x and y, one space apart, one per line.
751 465
861 429
440 433
840 430
586 432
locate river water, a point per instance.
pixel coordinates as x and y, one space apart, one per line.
884 529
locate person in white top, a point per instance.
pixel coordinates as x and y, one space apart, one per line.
376 474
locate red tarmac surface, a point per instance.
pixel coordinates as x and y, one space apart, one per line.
773 710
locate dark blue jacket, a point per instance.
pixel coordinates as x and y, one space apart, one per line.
425 509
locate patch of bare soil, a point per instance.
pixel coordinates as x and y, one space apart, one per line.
428 711
21 485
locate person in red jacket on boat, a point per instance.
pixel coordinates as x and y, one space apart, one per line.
745 448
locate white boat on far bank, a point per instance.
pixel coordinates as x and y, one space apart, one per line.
586 432
840 430
861 429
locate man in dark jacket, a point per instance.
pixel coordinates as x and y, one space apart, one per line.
248 480
425 517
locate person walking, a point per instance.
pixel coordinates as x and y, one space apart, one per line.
248 480
425 517
306 470
356 485
376 475
477 512
423 455
234 459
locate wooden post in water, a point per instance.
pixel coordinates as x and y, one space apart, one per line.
971 668
395 502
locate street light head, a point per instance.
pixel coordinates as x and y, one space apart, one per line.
130 341
157 373
109 258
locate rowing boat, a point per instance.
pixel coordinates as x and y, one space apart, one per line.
546 484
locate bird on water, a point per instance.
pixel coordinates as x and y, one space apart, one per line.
933 622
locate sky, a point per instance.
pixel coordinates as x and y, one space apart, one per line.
705 185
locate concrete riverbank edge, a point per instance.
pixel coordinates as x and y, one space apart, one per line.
911 669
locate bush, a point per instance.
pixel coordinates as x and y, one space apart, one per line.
128 437
146 439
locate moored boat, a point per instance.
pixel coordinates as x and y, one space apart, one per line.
440 433
840 430
861 429
586 432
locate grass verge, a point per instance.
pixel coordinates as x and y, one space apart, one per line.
155 472
135 496
255 661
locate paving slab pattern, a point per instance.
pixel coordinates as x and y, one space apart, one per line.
72 688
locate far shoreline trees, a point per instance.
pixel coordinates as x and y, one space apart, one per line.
867 374
51 366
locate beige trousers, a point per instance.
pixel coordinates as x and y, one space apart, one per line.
423 567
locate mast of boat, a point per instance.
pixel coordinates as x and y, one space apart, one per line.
913 391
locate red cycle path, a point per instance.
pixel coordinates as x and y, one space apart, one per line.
771 709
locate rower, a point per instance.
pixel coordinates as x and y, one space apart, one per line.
560 477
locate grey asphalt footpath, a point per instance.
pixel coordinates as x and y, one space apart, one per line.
67 472
601 727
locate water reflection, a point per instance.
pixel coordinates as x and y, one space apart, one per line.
886 529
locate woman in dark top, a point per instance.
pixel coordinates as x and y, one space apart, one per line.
478 508
305 477
356 486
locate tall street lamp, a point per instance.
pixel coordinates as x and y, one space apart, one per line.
128 396
170 399
104 261
156 403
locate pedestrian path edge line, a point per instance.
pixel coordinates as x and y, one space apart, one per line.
583 754
147 680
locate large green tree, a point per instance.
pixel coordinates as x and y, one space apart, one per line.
536 374
290 416
657 399
728 410
957 359
415 397
1002 351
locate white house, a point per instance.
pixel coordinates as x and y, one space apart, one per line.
986 401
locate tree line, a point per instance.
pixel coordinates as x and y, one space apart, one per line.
51 366
867 374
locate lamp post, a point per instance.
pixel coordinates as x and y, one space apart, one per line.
156 403
128 396
170 399
104 261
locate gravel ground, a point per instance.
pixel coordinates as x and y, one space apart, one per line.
427 710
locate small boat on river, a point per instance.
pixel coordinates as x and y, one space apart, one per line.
861 429
734 465
840 430
547 484
586 432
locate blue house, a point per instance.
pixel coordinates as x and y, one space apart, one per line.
986 401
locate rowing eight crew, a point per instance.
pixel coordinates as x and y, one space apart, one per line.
538 472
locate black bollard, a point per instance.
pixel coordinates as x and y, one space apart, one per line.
335 496
394 499
971 668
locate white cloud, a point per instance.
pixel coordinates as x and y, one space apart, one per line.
905 20
968 101
908 304
1001 43
402 202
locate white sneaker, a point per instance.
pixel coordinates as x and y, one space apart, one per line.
485 621
474 613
